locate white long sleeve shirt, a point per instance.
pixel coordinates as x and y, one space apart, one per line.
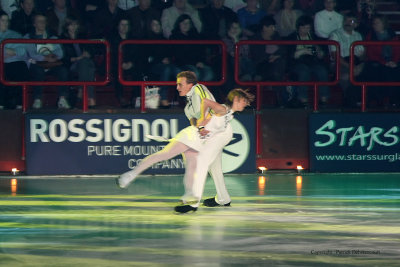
9 6
325 22
345 40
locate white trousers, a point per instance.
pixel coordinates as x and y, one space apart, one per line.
210 159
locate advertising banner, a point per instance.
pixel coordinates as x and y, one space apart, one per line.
84 144
354 142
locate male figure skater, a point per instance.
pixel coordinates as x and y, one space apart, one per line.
187 85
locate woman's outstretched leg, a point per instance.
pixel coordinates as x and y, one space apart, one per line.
188 180
173 149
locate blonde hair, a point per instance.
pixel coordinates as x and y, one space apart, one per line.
239 92
189 75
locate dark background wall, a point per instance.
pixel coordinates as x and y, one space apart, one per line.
11 128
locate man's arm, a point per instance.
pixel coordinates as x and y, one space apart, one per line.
206 105
195 101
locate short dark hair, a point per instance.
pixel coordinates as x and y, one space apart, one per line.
176 29
267 21
239 92
303 21
189 75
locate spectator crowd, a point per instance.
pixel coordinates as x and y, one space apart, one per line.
231 21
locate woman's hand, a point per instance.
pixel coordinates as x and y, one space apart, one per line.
201 123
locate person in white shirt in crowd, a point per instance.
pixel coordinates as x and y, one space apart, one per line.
45 59
328 20
9 6
171 14
345 36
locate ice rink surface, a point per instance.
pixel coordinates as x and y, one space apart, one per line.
277 219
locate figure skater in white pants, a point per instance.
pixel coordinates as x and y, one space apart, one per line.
216 130
187 141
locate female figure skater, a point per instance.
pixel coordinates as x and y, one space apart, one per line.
191 139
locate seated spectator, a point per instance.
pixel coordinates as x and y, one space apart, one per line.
190 57
15 68
247 68
45 59
307 63
22 18
328 20
78 57
286 18
246 65
250 17
57 14
170 15
215 17
345 36
382 62
270 60
160 59
106 19
133 63
141 17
